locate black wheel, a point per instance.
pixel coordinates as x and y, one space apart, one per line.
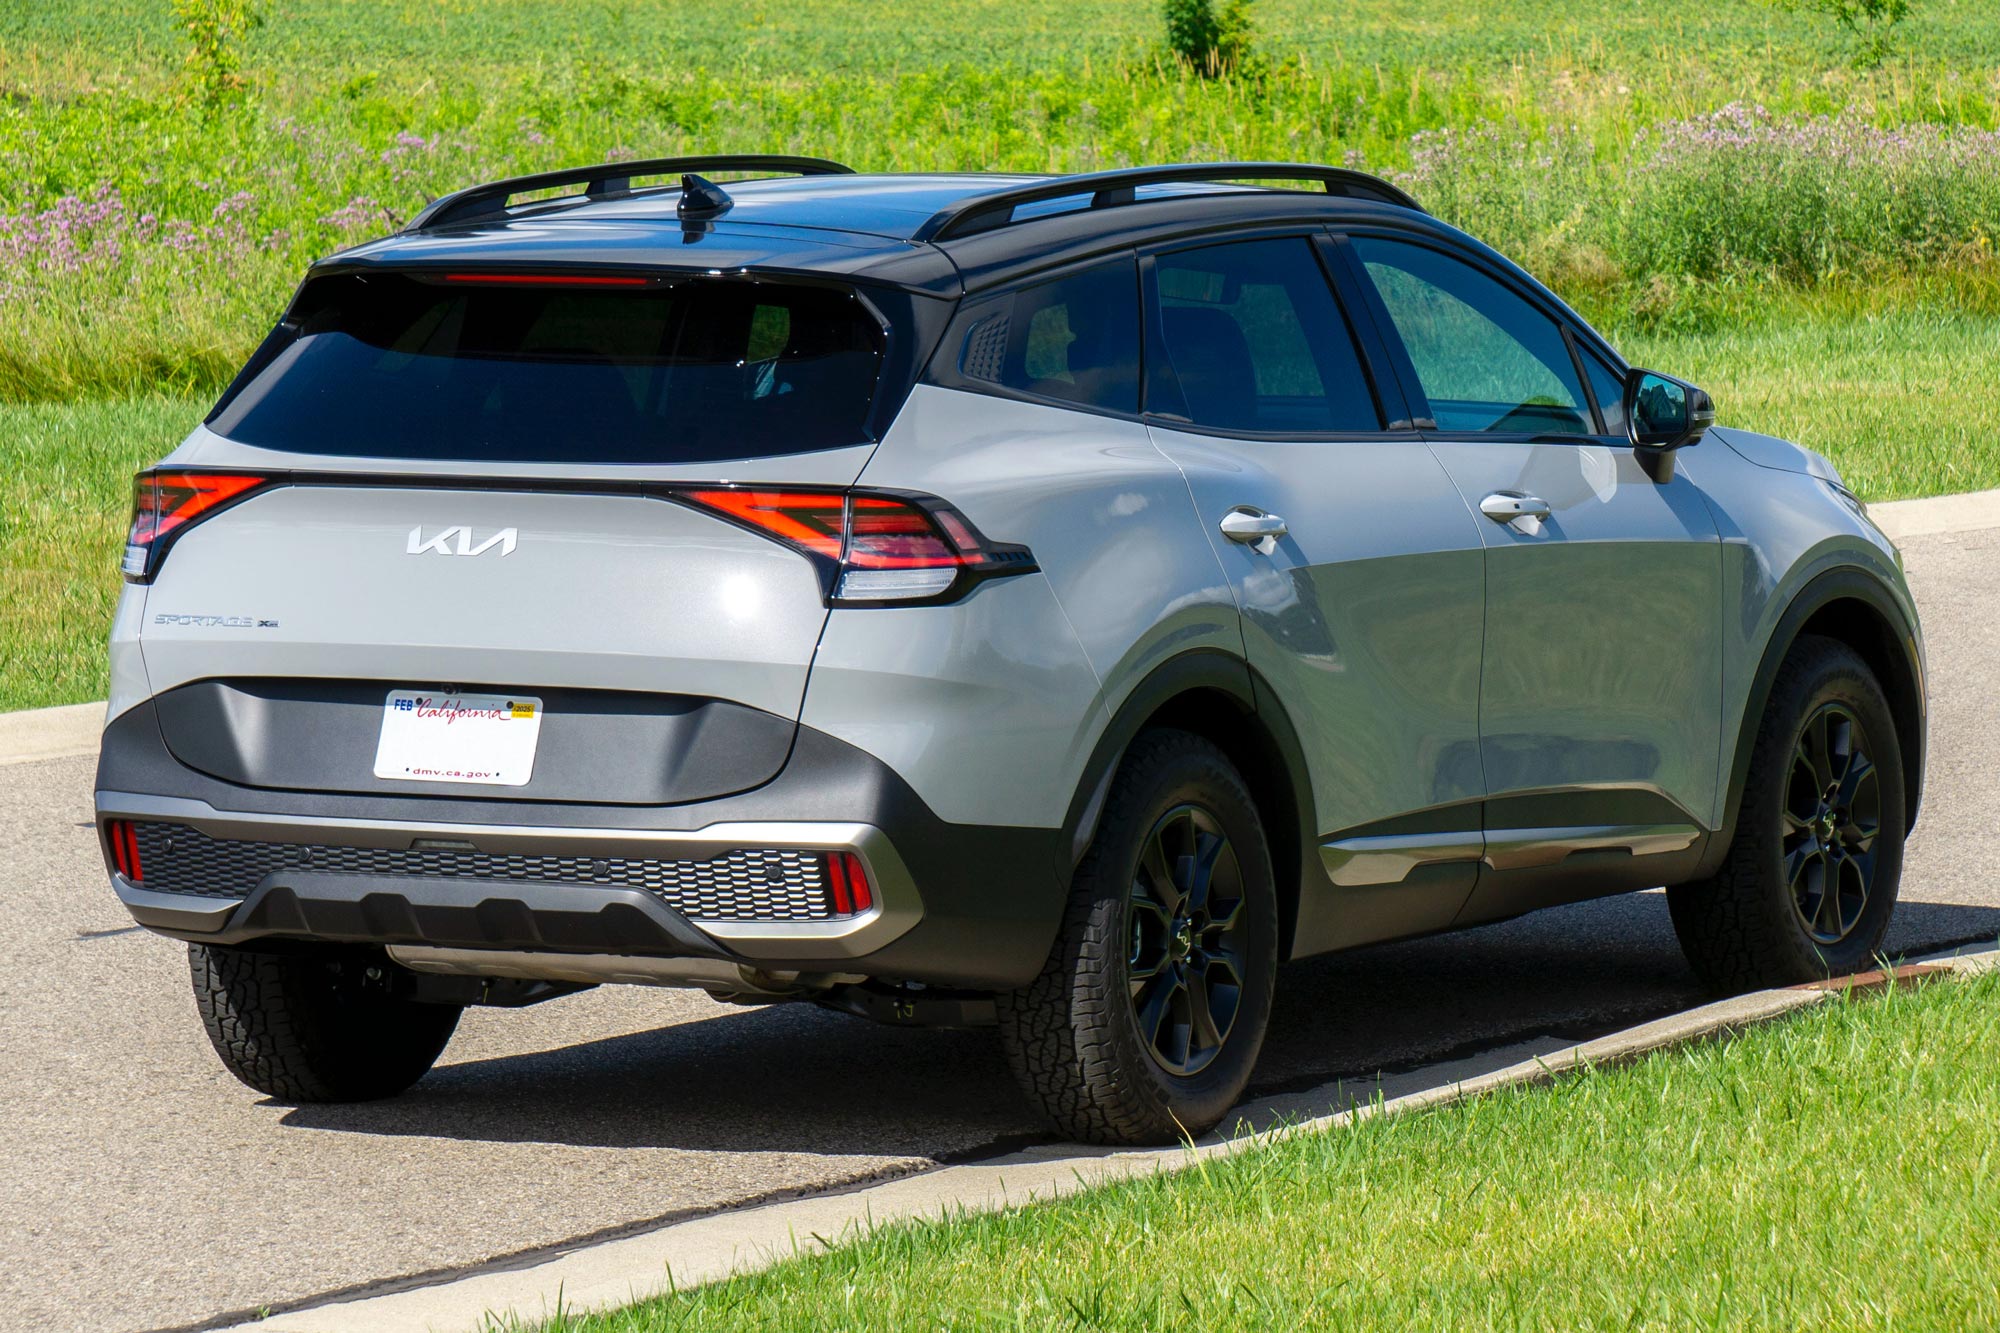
1146 1021
1810 881
310 1028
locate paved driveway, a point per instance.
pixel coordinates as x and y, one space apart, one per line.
142 1187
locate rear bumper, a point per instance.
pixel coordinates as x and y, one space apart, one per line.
954 905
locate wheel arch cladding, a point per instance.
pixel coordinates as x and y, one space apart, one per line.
1219 698
1851 607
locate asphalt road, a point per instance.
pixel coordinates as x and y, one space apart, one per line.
141 1187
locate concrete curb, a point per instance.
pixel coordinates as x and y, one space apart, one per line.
707 1249
1940 513
50 733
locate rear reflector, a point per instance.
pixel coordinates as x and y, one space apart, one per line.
165 504
124 849
885 548
848 890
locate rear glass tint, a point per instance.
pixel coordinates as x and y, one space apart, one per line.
1076 339
404 367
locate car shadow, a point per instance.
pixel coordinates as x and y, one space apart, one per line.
795 1079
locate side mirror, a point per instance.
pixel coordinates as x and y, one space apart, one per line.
1663 414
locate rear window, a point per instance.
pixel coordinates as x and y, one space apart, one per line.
696 370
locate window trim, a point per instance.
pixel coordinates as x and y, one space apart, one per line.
1153 334
943 370
1576 338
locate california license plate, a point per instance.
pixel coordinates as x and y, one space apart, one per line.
435 737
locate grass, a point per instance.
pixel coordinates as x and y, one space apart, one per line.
1837 1170
1563 148
1893 399
64 496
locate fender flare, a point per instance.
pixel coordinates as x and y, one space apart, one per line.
1260 740
1905 687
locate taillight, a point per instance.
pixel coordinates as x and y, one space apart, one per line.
124 848
848 890
880 548
164 504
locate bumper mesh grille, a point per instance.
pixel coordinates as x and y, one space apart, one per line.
746 884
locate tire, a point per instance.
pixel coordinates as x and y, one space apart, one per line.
1758 921
1074 1035
313 1028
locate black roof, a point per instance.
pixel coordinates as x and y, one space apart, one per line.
942 233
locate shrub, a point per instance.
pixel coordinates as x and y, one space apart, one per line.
215 31
1213 42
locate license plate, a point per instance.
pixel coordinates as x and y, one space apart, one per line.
434 737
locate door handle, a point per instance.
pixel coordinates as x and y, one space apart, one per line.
1251 526
1506 506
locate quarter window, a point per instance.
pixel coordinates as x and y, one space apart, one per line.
1486 358
1609 386
1074 339
1256 342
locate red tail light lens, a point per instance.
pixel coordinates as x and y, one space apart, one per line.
848 890
166 503
877 547
813 521
124 849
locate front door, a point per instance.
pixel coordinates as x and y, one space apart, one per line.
1600 695
1355 564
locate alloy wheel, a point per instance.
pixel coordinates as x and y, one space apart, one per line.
1185 926
1832 818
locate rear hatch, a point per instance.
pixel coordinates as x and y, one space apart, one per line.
458 500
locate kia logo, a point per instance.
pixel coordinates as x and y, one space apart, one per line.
459 541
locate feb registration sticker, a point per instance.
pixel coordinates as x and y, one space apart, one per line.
483 738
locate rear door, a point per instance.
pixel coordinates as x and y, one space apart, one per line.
1600 694
1356 567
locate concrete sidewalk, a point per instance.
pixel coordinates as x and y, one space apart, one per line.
709 1249
50 733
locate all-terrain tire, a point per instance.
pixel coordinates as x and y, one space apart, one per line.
1744 928
311 1028
1073 1035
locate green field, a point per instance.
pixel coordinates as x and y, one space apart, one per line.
1717 187
1838 1170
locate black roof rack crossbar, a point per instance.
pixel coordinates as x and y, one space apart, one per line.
609 180
1109 189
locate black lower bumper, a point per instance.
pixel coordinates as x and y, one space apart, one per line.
961 905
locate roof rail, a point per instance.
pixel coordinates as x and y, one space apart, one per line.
610 180
1109 189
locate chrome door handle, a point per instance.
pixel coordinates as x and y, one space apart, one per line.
1506 506
1250 526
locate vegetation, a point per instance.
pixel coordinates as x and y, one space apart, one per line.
1715 187
215 31
1212 42
1837 1170
1871 23
1659 167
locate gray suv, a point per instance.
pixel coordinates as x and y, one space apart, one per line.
1045 602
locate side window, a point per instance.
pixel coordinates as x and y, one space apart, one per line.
1257 342
1487 359
1075 339
1609 386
